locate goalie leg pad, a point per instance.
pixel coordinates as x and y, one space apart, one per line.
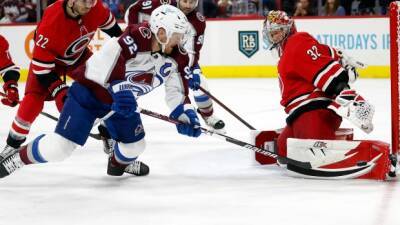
268 141
316 124
337 159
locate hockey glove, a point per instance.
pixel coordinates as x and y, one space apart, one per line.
351 106
11 90
190 125
124 101
193 77
350 65
58 90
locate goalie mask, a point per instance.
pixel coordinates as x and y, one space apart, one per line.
277 27
172 20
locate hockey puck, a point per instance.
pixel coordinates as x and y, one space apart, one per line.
361 163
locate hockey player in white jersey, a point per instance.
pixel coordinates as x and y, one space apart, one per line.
140 11
193 78
102 86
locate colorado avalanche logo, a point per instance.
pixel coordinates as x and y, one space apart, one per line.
145 32
78 45
142 81
200 17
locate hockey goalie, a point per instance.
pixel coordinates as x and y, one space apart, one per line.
315 88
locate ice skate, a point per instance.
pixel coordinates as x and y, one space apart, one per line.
10 162
215 123
114 169
108 142
6 151
138 168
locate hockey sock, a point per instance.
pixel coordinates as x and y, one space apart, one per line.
30 153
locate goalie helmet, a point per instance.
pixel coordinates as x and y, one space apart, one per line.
171 19
277 21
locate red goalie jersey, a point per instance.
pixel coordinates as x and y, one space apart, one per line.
307 69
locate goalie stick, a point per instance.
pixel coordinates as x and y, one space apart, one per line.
298 164
95 136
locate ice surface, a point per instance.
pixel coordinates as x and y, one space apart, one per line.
202 181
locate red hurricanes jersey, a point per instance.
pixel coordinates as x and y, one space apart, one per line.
129 58
61 40
6 63
306 68
141 10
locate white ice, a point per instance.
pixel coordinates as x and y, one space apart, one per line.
202 181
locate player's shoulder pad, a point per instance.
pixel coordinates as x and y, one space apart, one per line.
140 31
200 17
301 36
300 40
196 17
52 19
141 35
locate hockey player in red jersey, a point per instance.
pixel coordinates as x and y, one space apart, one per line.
314 80
315 90
10 74
140 11
103 84
61 41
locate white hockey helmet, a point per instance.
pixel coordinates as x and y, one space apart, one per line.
171 19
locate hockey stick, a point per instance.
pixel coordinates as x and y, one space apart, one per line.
303 165
226 108
95 136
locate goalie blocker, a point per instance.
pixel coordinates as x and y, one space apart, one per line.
330 159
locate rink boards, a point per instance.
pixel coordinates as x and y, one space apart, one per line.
235 48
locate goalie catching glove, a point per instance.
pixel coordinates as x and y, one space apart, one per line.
352 106
190 125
